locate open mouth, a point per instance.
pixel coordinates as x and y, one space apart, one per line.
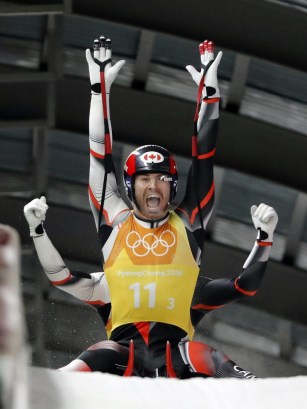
153 201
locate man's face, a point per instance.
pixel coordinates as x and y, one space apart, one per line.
152 194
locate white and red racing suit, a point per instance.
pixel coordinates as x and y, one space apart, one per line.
151 268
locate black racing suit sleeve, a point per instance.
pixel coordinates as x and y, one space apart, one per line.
212 294
197 205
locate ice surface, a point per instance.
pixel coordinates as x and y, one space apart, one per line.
78 390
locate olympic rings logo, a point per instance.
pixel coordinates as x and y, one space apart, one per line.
158 246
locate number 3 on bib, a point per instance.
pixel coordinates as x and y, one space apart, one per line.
151 288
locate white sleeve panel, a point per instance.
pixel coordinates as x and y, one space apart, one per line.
258 253
115 209
50 259
94 291
96 126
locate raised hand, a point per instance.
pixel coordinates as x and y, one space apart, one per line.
101 61
265 220
35 214
209 66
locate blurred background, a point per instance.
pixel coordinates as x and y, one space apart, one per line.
262 153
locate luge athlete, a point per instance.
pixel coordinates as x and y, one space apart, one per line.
151 254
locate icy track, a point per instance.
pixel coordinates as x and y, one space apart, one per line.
50 389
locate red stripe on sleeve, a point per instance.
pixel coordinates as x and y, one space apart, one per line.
108 146
245 292
98 302
264 243
206 307
61 282
207 155
103 96
211 100
203 203
97 155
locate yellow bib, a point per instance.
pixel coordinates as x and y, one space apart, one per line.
152 274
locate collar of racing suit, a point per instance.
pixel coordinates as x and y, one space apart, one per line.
150 224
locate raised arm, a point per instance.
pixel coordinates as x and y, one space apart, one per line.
198 202
107 206
213 294
90 288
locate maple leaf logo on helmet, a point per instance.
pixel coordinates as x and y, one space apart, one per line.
152 157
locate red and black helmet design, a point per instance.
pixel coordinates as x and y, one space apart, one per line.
149 159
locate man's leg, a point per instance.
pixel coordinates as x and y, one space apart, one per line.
105 356
206 361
